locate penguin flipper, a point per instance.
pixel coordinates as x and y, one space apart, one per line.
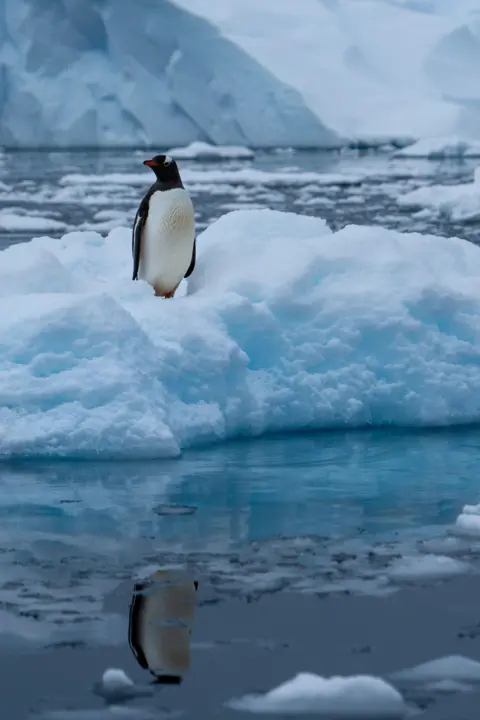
137 232
191 267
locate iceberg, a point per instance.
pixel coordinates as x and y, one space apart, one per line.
137 74
284 325
235 73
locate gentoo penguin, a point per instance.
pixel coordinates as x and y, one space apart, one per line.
160 624
163 238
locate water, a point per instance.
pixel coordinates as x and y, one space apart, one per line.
270 528
32 184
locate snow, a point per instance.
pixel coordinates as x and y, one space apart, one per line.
426 567
440 149
459 202
360 696
283 326
236 72
452 667
205 151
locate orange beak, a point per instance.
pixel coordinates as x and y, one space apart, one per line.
150 163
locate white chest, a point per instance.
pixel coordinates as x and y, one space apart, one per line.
167 239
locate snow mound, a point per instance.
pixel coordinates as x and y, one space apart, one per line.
204 151
359 696
451 667
284 326
460 202
441 149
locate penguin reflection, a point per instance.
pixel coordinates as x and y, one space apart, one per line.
160 626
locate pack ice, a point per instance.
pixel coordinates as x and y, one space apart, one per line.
311 73
284 326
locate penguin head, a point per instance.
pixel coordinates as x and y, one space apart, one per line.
166 170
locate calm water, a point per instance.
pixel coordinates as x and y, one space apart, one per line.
321 516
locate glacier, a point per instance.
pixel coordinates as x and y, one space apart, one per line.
284 326
314 73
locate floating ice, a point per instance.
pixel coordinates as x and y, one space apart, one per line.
359 696
441 149
468 522
116 687
460 202
244 176
204 151
426 567
451 667
285 326
10 220
114 678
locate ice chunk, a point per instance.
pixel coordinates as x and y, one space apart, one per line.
114 678
441 148
10 220
426 567
284 326
451 667
359 696
460 202
468 522
205 151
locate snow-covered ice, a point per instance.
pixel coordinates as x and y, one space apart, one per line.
426 567
198 150
441 148
360 696
460 202
452 667
237 72
284 326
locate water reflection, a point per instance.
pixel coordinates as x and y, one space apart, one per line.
160 624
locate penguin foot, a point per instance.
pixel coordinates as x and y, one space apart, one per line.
167 295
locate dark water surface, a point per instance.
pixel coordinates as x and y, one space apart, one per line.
294 541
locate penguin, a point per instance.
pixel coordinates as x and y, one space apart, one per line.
164 245
160 624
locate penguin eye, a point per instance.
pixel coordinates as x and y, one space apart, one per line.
167 161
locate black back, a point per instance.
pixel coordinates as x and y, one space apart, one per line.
167 178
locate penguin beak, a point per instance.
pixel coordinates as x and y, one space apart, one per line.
150 163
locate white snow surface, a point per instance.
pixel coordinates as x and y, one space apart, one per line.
459 202
284 326
237 72
360 696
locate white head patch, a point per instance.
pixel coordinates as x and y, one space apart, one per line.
168 160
